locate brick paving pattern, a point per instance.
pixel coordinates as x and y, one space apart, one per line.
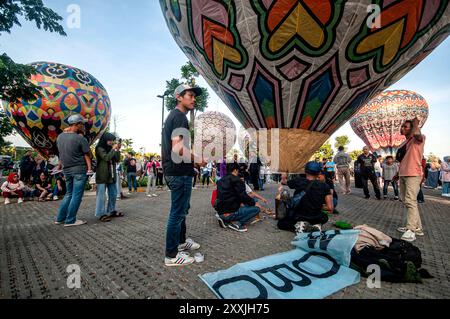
124 258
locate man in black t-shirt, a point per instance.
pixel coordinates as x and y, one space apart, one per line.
310 196
179 171
366 163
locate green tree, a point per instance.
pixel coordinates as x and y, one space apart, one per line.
189 76
14 83
354 154
325 151
5 130
14 77
127 146
342 141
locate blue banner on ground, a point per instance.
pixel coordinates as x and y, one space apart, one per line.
317 268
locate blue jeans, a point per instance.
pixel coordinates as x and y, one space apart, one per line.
394 186
446 188
112 196
181 189
132 183
261 183
244 215
68 209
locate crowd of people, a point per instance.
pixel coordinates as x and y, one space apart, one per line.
236 203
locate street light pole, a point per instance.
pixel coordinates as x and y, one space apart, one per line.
163 97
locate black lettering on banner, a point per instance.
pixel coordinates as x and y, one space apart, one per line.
262 290
324 239
333 271
287 287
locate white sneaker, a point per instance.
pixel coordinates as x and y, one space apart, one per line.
7 201
55 197
409 236
154 195
79 222
300 227
149 195
419 232
182 259
20 201
189 245
402 229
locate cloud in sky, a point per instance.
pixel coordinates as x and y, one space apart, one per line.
127 46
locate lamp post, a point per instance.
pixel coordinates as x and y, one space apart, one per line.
163 97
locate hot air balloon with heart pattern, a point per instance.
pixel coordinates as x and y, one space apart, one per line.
378 123
304 67
65 91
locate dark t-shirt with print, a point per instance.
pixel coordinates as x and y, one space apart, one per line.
367 164
175 120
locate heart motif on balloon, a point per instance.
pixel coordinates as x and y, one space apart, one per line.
303 66
65 91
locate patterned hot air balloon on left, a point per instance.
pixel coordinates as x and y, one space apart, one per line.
65 91
378 122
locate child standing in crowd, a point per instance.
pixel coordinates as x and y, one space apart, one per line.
330 169
445 169
13 188
390 169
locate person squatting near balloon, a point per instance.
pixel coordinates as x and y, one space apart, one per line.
175 147
13 188
410 175
304 211
235 208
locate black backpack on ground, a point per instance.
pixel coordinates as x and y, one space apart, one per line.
400 262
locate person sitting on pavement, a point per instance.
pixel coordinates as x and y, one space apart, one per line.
13 188
43 188
60 187
310 196
233 205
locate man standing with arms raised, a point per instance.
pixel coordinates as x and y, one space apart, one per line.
410 173
179 171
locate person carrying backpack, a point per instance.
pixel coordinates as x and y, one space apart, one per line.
305 209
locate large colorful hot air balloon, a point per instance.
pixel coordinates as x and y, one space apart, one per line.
303 66
216 134
378 122
65 91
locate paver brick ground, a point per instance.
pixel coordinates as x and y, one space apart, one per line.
125 258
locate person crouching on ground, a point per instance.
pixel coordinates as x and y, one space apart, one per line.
108 155
43 188
310 196
235 208
13 188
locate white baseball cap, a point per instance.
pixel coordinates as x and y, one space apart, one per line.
184 87
75 119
